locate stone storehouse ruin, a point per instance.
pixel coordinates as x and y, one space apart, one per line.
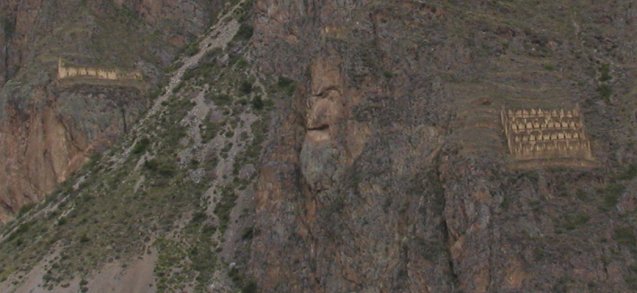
539 137
65 72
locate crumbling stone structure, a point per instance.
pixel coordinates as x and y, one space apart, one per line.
71 72
547 137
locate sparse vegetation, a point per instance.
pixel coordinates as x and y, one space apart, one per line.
286 85
8 26
625 236
604 73
192 49
141 146
611 194
574 220
629 173
257 103
246 87
245 32
209 130
604 89
120 209
164 168
224 207
25 209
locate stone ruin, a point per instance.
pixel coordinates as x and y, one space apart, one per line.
542 137
95 73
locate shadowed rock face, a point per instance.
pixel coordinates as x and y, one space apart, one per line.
47 132
390 173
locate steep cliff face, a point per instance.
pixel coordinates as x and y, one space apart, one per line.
47 131
391 173
333 146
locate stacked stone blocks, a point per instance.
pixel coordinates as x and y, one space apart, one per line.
71 72
546 134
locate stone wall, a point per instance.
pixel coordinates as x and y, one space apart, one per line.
543 134
68 72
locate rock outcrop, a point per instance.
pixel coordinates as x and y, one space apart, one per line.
391 173
48 132
331 146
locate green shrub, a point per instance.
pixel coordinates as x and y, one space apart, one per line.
198 217
246 87
209 130
224 207
163 168
575 220
629 173
604 73
625 236
141 146
84 239
245 32
191 49
25 209
286 85
612 192
284 82
257 103
220 99
251 287
247 234
9 27
604 91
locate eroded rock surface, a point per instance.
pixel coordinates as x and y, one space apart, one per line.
389 172
48 132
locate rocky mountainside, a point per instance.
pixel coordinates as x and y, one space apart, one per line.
46 131
320 146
